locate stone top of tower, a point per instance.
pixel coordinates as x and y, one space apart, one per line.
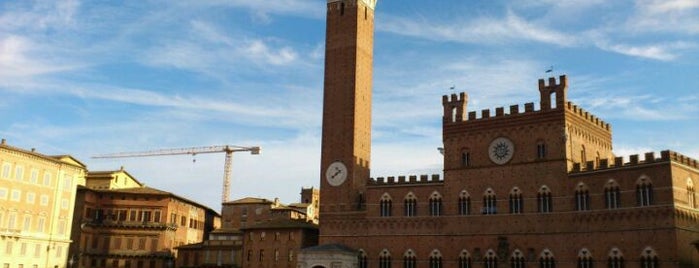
370 3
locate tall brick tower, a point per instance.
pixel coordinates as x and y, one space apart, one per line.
346 142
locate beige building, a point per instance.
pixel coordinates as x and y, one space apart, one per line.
119 222
37 196
532 185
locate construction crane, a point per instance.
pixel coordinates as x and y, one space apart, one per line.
227 149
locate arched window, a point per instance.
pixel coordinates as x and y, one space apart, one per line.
410 205
409 259
644 191
464 259
649 259
489 202
546 259
436 259
490 260
361 259
543 200
616 259
582 197
690 194
612 195
516 202
584 259
464 203
386 205
385 259
435 204
583 156
517 259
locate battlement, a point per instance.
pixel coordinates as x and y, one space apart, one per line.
649 158
454 107
587 115
370 3
409 180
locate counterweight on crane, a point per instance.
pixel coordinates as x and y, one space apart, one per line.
227 149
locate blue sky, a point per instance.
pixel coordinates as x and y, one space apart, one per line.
92 77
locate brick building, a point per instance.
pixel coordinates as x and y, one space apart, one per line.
119 222
537 186
37 193
257 232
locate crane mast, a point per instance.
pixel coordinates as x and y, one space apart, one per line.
227 149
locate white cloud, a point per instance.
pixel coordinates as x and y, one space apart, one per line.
259 50
16 59
664 52
484 30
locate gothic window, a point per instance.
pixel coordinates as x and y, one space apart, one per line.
490 260
435 204
690 194
584 259
361 259
465 158
649 259
644 191
386 205
516 202
546 259
464 203
409 259
612 195
436 259
582 197
544 202
616 259
410 204
583 157
517 259
489 202
385 259
464 259
540 150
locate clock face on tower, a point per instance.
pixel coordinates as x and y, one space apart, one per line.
501 150
336 173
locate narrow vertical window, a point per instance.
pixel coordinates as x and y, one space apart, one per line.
342 9
516 202
436 259
385 259
517 259
361 259
546 259
409 259
582 198
435 204
465 158
540 150
690 194
410 205
649 259
585 259
490 260
386 205
616 259
612 195
644 192
544 200
464 203
489 202
464 259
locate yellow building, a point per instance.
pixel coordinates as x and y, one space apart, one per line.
37 196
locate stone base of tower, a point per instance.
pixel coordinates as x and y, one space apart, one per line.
328 256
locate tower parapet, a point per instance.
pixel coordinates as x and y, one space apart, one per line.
559 89
370 3
454 107
587 115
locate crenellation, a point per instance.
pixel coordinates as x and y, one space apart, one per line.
649 158
472 115
633 159
514 109
529 107
499 111
485 113
406 180
559 89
